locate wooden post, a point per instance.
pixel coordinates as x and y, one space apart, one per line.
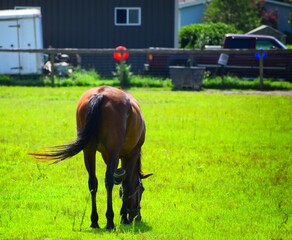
52 60
261 66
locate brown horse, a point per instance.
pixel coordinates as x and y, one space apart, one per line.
109 120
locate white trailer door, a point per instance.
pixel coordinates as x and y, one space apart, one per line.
9 62
30 62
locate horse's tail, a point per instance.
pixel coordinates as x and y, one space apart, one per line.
60 153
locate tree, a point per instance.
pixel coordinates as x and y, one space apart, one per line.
243 14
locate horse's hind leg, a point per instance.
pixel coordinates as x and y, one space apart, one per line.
89 159
112 164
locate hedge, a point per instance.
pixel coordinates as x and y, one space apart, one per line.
199 35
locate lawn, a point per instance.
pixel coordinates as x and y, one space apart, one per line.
221 163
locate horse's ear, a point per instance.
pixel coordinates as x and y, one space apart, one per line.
143 176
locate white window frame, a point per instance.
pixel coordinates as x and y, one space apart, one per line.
128 18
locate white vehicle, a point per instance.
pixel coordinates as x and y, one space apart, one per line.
21 29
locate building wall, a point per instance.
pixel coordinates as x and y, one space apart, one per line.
90 23
284 15
191 14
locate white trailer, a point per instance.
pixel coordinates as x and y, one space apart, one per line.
21 29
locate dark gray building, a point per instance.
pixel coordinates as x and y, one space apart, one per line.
105 24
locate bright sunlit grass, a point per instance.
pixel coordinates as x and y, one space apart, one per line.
221 164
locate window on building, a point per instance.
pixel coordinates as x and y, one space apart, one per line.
127 16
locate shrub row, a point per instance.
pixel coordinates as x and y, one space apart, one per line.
84 79
230 82
199 35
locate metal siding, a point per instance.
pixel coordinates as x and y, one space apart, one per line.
90 23
160 26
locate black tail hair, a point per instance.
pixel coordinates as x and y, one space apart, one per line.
60 153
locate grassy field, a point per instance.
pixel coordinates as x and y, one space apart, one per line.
221 164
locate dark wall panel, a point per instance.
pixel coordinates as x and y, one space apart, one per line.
90 23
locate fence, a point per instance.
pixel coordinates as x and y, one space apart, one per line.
156 61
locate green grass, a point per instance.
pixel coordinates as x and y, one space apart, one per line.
221 164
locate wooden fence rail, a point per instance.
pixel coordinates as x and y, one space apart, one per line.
142 51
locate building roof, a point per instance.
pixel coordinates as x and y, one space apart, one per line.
190 3
16 14
267 28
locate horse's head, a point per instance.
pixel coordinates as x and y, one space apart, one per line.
135 198
136 190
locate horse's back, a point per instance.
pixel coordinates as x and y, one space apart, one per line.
121 126
112 95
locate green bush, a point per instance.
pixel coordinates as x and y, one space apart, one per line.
199 35
127 74
78 77
5 80
91 79
84 78
231 82
149 82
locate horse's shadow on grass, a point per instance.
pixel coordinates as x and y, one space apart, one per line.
134 228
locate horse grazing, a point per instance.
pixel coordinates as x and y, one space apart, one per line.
109 120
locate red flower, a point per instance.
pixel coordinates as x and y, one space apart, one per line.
120 56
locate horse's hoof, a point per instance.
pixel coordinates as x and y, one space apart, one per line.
110 227
125 221
94 225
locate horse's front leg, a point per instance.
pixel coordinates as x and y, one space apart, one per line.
124 209
125 189
127 165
